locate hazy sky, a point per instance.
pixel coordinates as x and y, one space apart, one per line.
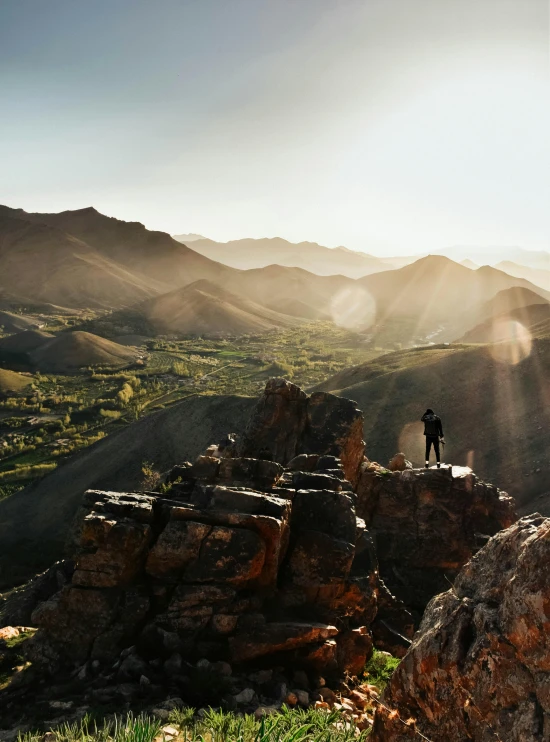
400 124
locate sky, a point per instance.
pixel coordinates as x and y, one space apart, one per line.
390 126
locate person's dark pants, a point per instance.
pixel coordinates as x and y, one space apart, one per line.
432 440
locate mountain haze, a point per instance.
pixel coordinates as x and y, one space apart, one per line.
258 253
203 308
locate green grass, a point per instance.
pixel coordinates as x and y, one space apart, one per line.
296 725
380 668
81 407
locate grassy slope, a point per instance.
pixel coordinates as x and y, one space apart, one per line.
35 521
204 308
71 350
496 416
10 381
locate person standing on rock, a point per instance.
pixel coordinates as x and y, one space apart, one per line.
433 430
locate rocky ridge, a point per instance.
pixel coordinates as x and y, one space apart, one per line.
253 559
479 665
427 523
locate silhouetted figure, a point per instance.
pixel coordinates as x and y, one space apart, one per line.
433 430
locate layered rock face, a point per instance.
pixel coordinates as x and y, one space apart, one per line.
287 422
427 523
479 667
239 559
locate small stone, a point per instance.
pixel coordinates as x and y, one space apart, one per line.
144 681
96 665
262 711
162 714
327 694
245 696
222 668
170 731
172 666
302 696
300 680
203 664
128 651
291 699
261 677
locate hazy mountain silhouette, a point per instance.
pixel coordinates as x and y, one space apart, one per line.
189 237
522 324
203 308
258 253
437 293
85 259
490 255
538 276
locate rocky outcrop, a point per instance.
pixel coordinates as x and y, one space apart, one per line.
288 422
479 667
238 560
261 557
426 524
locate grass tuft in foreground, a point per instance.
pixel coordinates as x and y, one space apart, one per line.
289 725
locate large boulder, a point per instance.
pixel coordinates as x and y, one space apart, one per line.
287 422
479 666
427 523
237 559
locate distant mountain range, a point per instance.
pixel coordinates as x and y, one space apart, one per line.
258 253
84 259
538 276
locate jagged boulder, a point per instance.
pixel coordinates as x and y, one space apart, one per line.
427 523
479 666
228 571
287 422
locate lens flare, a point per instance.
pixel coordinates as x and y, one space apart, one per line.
353 308
512 342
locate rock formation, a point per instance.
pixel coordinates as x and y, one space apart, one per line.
287 423
258 559
426 524
479 667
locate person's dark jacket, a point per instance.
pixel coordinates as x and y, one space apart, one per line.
432 425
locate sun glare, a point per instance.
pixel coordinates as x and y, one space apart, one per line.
512 342
353 308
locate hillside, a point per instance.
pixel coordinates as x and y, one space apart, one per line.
41 263
521 324
23 342
258 253
496 415
203 308
153 256
10 381
35 521
430 295
538 276
72 350
291 290
10 322
510 300
85 259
